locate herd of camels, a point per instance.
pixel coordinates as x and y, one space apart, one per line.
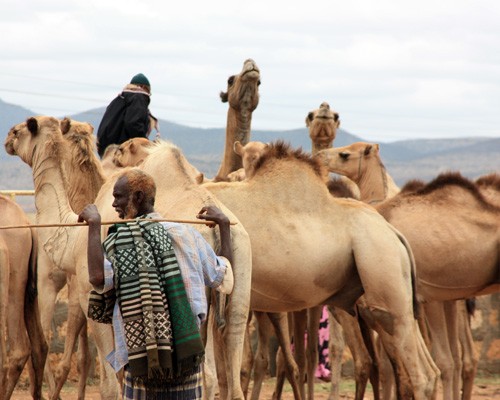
394 266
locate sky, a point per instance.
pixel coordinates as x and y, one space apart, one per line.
393 70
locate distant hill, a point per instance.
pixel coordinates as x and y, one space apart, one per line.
404 160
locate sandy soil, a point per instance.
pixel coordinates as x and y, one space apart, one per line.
484 389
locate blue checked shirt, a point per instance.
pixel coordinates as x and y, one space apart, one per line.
199 266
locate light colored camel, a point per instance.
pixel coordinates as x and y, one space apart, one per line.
242 96
322 124
107 163
131 152
448 324
281 193
39 142
305 320
361 163
21 334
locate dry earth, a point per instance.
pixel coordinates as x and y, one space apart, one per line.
484 389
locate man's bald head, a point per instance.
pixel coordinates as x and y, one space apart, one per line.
138 191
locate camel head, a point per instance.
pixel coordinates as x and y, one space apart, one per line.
323 124
250 155
348 160
243 89
132 152
23 138
83 147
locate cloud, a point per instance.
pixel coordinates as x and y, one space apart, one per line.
392 70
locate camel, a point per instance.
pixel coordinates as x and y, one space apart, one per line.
107 161
294 181
305 320
131 152
21 334
361 162
39 143
322 124
242 95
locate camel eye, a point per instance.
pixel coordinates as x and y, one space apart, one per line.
335 117
230 81
258 83
310 116
343 155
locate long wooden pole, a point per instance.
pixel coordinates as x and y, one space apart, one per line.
119 221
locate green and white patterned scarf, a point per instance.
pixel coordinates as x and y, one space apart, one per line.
163 340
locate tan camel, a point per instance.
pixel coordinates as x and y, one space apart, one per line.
243 97
132 152
304 320
361 163
441 317
450 195
21 334
40 144
323 124
39 140
295 182
125 157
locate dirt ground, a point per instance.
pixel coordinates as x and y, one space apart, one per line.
484 389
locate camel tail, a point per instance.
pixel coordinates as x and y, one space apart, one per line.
31 284
416 304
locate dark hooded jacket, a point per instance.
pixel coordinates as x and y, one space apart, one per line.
126 117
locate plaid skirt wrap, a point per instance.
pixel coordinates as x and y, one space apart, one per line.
163 340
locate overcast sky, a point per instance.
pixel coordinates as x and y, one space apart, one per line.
393 70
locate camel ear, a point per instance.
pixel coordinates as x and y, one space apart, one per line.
377 147
309 118
65 125
238 148
32 125
132 147
224 97
368 149
199 178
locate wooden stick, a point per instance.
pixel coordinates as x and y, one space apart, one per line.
119 221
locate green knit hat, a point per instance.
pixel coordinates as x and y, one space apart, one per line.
140 79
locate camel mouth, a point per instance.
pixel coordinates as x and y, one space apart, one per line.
324 117
253 73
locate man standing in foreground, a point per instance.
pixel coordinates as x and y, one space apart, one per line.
149 283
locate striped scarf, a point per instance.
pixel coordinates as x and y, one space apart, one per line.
163 340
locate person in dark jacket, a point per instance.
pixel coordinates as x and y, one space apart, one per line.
127 116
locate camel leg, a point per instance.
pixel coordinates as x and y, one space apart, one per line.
4 296
76 325
438 327
314 315
450 311
386 373
261 361
84 360
299 327
231 338
50 282
362 360
39 347
279 321
336 347
469 355
210 386
248 355
17 339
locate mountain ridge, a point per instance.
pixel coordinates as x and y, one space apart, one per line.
203 147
